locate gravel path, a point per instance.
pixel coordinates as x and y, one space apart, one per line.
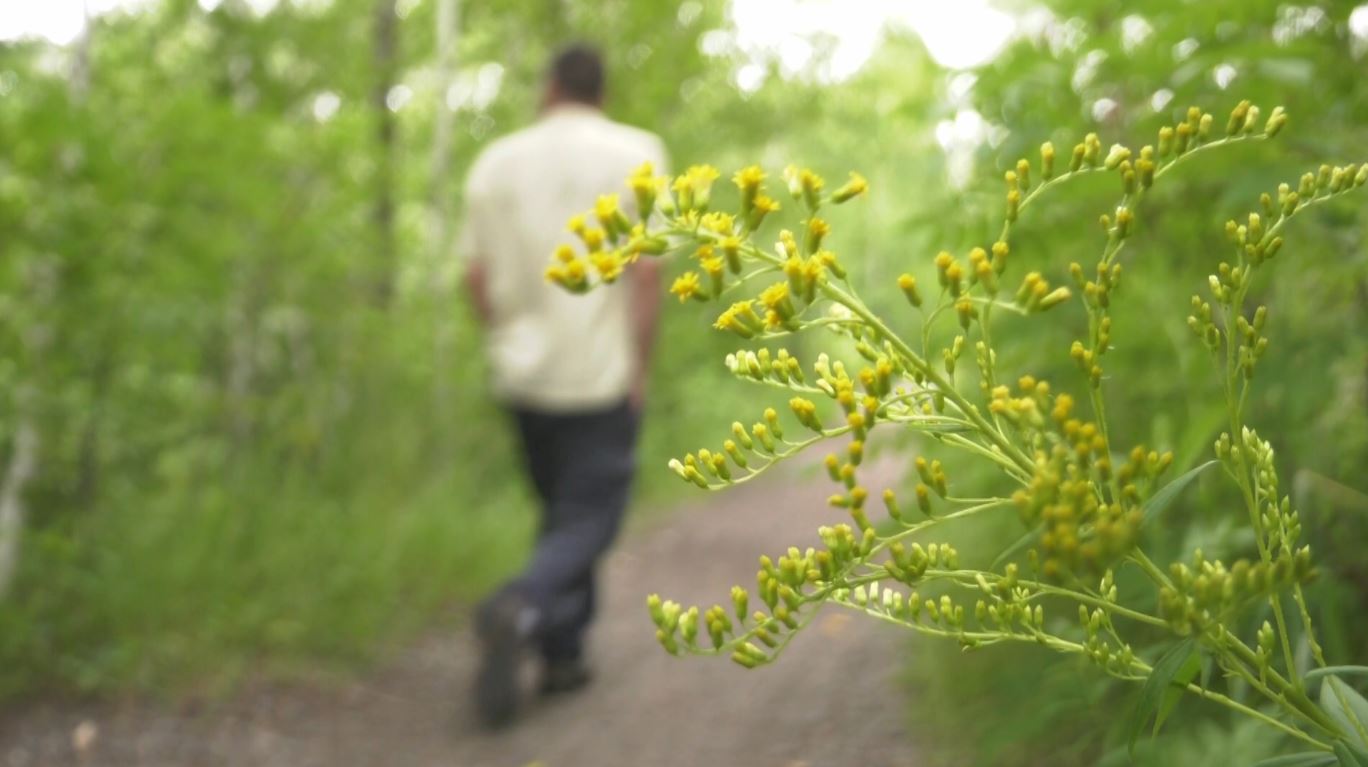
831 700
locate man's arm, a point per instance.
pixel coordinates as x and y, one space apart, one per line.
478 289
644 282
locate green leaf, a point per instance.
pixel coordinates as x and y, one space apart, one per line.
1182 658
1185 674
1344 704
1346 757
1317 673
1162 499
1303 759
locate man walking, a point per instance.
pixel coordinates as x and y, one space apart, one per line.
570 369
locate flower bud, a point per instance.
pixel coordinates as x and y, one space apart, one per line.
748 181
1237 118
734 453
1123 221
1055 297
1092 148
891 503
908 284
1184 137
1165 141
855 187
1076 162
1115 156
964 308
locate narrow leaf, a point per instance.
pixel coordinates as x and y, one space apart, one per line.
1174 691
1303 759
1351 714
1317 673
1162 499
1152 695
1346 757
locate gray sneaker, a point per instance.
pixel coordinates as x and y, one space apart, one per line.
504 625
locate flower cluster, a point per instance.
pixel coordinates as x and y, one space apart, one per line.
1083 503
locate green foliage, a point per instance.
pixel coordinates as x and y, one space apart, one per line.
246 458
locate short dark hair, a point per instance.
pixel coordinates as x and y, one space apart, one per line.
577 71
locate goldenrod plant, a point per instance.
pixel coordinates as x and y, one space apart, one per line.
1083 495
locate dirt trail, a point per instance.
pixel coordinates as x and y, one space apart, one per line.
831 700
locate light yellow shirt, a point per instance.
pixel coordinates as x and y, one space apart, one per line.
550 349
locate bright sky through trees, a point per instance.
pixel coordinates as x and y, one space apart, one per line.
957 34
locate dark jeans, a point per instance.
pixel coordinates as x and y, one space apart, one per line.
581 465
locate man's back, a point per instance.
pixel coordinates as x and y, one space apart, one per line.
548 348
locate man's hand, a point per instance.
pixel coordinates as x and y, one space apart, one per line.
636 396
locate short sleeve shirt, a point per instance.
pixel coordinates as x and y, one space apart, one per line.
550 349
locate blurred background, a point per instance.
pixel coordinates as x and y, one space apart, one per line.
242 410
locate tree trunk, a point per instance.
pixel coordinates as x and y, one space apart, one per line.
385 45
23 464
41 288
440 213
23 458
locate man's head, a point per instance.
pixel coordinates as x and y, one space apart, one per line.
575 76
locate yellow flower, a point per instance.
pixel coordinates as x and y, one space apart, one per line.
828 259
686 286
576 225
714 266
817 230
766 204
740 318
778 304
645 170
694 187
719 223
565 254
646 187
810 181
749 178
775 295
608 212
605 207
814 270
575 271
804 184
569 275
761 207
731 247
593 239
609 265
701 177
